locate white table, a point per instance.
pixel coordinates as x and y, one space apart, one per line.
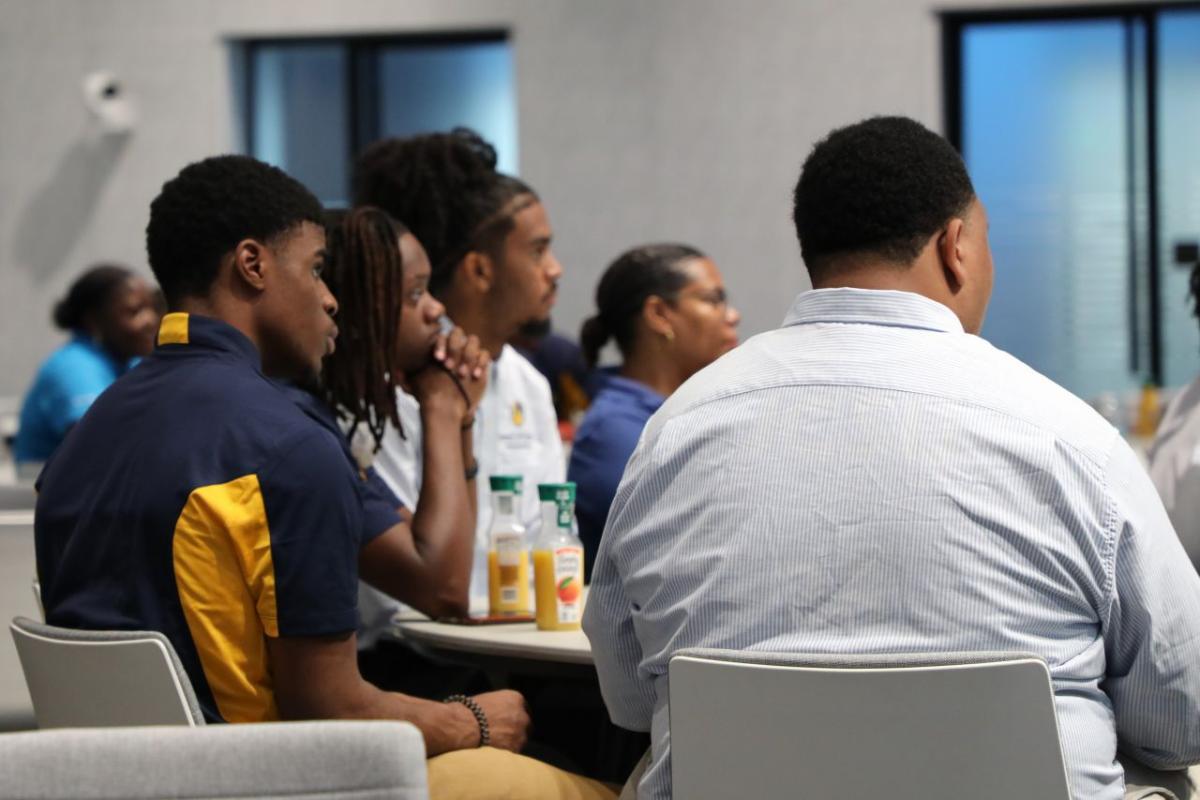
519 641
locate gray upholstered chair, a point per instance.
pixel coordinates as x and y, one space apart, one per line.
88 679
297 760
936 727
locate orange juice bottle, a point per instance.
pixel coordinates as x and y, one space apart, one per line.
1148 413
558 560
508 555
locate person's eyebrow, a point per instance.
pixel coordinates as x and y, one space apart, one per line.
541 241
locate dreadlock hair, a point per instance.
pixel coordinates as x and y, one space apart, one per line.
636 275
365 274
446 188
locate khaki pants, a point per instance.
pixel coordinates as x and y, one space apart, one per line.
490 774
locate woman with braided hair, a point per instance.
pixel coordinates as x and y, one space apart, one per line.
666 307
391 338
488 240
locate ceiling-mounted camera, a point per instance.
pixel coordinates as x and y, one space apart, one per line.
109 102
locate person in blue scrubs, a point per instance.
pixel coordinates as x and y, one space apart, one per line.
112 316
666 308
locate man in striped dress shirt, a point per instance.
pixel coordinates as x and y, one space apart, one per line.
873 477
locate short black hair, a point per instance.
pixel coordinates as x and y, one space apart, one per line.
445 188
88 295
204 211
636 275
879 187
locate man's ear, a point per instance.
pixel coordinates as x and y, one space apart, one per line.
950 252
478 271
251 261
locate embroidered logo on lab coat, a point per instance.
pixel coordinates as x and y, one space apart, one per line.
518 415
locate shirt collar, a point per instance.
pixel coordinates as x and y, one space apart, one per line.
194 332
872 307
634 391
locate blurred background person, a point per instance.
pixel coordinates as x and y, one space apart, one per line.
667 308
560 360
112 316
1175 455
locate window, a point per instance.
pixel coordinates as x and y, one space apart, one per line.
1074 126
312 104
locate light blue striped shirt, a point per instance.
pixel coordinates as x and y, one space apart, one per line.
871 479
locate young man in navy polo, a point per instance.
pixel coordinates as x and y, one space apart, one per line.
194 498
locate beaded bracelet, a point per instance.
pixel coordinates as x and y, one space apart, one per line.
485 735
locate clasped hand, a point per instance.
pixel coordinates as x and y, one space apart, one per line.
456 375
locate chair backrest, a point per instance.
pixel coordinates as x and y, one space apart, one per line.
89 679
935 727
373 760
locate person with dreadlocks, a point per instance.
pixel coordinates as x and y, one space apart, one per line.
1175 454
488 240
390 337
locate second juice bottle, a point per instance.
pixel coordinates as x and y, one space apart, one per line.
558 560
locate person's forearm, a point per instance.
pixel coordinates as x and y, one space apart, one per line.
443 524
444 726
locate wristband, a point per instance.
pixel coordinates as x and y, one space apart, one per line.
485 735
470 472
468 423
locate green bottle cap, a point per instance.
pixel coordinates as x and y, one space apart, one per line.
557 492
506 483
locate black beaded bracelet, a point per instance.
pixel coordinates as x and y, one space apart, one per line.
485 735
470 472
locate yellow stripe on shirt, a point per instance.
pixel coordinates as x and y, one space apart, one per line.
226 582
173 329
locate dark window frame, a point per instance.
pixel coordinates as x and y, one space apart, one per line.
362 73
954 22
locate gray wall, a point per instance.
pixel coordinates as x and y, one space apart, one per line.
639 120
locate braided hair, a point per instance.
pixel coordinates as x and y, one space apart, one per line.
646 271
446 188
365 274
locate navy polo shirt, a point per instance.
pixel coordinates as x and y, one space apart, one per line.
194 498
381 507
603 444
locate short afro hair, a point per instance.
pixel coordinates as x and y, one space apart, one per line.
445 188
879 187
204 211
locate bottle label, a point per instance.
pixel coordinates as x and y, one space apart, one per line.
568 583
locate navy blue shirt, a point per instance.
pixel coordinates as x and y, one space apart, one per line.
603 444
380 505
194 498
